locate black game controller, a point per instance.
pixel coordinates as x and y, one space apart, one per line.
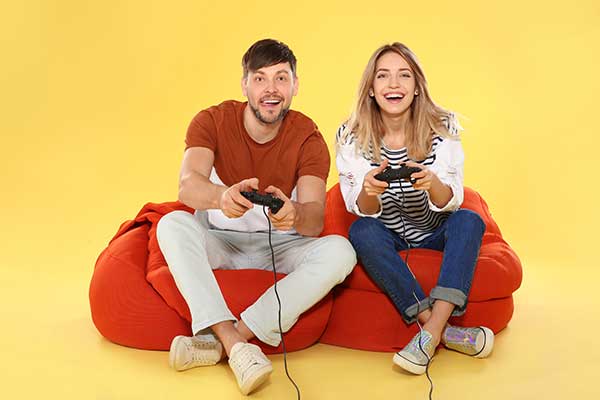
265 199
394 174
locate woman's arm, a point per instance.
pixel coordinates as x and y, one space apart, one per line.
353 170
443 180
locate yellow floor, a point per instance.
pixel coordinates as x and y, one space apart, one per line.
52 350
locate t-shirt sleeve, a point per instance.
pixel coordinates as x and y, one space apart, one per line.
202 132
314 158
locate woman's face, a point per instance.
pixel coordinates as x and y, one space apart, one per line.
393 85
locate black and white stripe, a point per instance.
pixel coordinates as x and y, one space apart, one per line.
403 203
406 210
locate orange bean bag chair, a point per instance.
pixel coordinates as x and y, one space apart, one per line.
135 302
363 317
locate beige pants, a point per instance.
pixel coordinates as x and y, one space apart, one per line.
192 250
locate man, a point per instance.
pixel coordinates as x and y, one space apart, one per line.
236 147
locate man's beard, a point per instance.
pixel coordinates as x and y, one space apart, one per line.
259 116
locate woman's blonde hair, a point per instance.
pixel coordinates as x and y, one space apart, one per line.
426 118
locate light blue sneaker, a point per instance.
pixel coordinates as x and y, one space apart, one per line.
412 358
477 341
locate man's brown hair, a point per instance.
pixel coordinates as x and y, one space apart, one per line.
267 52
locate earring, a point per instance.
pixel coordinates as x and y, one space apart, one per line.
416 92
371 94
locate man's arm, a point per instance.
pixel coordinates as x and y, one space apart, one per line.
195 189
198 192
310 207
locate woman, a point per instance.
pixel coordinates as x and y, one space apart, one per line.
395 122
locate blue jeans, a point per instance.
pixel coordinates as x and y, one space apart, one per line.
459 237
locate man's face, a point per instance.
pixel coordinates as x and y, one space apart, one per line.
269 91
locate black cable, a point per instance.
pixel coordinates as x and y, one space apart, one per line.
279 311
429 359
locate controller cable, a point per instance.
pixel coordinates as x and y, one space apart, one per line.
408 247
279 304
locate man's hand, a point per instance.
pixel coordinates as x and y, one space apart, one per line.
232 203
286 217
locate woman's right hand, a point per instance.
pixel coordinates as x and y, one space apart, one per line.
372 186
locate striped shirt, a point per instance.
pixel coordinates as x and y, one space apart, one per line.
404 210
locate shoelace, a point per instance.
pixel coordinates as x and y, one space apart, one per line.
199 357
425 344
201 345
414 348
245 358
197 350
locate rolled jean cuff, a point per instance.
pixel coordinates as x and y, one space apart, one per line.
410 314
451 295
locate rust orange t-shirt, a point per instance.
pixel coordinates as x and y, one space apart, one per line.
298 149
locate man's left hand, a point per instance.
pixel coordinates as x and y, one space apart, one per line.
286 216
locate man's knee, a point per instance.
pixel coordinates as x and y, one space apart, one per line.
172 222
176 227
341 255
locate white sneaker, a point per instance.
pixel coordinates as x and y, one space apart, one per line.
195 351
250 366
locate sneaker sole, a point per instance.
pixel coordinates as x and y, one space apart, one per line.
408 365
257 379
172 352
488 343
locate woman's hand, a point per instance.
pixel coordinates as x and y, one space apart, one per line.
372 186
439 193
424 177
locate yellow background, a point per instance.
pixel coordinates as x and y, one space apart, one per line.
96 98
